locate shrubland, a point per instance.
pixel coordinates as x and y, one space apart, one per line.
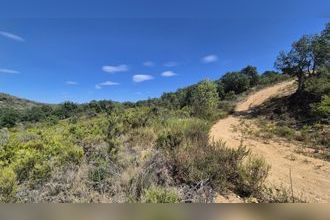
157 150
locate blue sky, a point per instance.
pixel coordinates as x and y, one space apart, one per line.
127 51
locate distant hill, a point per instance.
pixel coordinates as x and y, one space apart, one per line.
15 102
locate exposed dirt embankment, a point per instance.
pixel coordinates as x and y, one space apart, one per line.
310 176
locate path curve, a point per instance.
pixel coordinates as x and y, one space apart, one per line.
310 176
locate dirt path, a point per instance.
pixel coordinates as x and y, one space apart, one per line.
310 176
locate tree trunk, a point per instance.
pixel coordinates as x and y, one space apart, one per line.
301 84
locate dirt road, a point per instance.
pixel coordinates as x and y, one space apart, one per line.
310 176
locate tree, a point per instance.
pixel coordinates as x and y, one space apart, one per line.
236 82
9 117
307 58
66 110
205 98
252 73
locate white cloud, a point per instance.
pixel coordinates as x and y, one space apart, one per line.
12 36
9 71
168 73
115 69
140 78
149 64
109 83
106 83
210 58
71 83
171 64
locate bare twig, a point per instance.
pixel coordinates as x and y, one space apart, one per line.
291 185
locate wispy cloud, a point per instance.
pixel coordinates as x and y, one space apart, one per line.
97 86
9 71
71 83
106 83
140 78
12 36
210 58
171 64
115 69
149 64
168 73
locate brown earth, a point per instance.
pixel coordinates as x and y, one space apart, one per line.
310 176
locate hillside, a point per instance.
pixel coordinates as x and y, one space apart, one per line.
246 137
8 101
310 177
152 151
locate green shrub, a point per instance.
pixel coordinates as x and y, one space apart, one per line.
160 195
213 163
24 163
322 108
115 130
271 77
136 117
252 73
236 82
9 117
4 137
252 176
284 131
205 99
170 139
8 185
40 173
73 155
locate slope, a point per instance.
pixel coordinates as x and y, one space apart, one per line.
310 176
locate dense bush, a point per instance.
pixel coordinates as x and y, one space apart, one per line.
66 110
252 177
9 117
271 77
322 108
8 185
252 73
37 113
235 81
205 99
193 159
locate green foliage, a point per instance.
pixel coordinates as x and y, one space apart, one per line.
115 130
4 137
205 99
9 117
252 176
322 108
284 131
193 159
271 77
8 101
160 195
66 110
137 117
307 58
319 86
8 185
37 113
252 73
236 82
